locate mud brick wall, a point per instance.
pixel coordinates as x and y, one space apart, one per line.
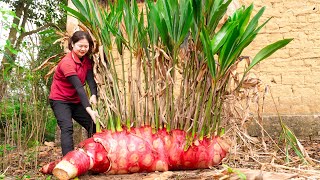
293 73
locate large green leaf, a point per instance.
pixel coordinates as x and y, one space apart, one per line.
217 4
227 50
268 51
253 24
166 15
222 35
245 42
152 29
160 24
204 36
197 9
245 19
219 9
76 14
185 21
142 32
129 22
80 8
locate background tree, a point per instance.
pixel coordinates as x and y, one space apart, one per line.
26 119
32 17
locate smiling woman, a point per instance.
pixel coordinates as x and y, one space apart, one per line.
67 97
81 44
81 47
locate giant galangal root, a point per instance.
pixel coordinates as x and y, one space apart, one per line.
138 150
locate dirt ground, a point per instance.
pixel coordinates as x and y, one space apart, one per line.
205 174
252 171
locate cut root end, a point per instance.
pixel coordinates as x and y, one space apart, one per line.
61 174
65 170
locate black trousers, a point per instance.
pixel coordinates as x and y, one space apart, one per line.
64 113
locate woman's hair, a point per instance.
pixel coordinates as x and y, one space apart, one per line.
79 35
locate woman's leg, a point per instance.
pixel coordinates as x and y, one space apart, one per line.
80 115
62 112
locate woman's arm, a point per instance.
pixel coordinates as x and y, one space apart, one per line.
93 87
75 81
92 84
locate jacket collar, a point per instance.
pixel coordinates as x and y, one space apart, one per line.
76 58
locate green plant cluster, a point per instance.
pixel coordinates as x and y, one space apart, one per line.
156 37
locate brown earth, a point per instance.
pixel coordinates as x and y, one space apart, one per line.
251 170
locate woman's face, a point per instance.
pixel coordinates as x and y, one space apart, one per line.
81 47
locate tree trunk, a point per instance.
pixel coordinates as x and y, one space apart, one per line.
9 57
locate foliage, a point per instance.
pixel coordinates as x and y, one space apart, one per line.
43 15
6 147
5 24
291 141
173 40
230 170
39 12
25 116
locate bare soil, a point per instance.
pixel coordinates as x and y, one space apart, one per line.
250 169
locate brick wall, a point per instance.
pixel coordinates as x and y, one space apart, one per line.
293 72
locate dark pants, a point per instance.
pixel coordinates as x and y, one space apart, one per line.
64 113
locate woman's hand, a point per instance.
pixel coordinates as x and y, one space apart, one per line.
93 114
93 100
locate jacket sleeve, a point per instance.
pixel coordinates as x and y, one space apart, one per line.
92 84
75 81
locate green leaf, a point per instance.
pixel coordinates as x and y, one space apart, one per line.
152 30
245 42
80 7
75 14
88 8
220 38
142 32
240 47
245 19
237 15
217 4
208 52
253 24
227 49
166 15
185 21
197 9
268 51
160 24
119 43
10 47
241 175
216 15
291 141
48 31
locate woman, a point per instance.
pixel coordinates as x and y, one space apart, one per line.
68 98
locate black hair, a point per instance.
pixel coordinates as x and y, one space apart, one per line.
79 35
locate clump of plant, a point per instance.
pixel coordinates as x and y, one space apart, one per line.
163 73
